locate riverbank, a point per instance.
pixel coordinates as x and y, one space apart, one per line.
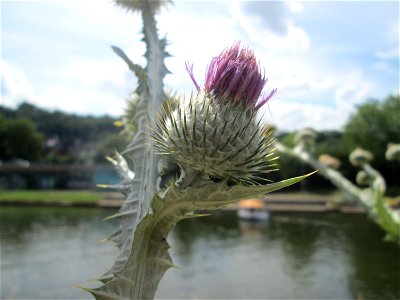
50 197
275 202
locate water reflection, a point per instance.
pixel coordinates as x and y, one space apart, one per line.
375 267
298 236
288 256
46 250
17 221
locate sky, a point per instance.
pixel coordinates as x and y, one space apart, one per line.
324 57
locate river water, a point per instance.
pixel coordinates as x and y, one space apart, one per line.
45 252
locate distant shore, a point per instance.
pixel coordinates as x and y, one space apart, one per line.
278 202
50 197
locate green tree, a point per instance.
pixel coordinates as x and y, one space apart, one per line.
19 139
109 145
78 136
372 127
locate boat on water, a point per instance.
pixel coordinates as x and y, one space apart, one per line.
253 209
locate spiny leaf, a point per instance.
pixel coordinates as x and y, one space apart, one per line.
138 70
149 258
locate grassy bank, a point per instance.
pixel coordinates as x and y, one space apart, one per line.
49 197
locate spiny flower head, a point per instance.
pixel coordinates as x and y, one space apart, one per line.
217 132
235 76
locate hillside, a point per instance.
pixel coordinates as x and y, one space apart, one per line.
64 137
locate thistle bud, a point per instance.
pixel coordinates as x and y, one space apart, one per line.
305 139
363 178
360 157
393 152
329 161
216 132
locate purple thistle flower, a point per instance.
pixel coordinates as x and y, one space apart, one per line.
234 76
217 133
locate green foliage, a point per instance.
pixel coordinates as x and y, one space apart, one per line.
78 137
374 125
287 139
19 139
68 126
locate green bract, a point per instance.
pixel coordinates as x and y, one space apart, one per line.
220 140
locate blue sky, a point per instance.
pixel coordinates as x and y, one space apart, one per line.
325 58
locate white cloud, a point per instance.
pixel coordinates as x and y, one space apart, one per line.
80 101
203 37
350 94
292 116
272 15
388 54
84 94
295 6
196 39
260 25
306 84
14 85
295 86
289 112
318 84
93 73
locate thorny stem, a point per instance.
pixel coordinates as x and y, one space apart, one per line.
368 198
378 181
155 71
337 179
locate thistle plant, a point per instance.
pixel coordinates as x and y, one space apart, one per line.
222 149
372 198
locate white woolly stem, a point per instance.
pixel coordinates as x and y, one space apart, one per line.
141 150
378 181
368 198
155 71
334 176
378 186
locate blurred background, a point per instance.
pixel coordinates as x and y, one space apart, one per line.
63 94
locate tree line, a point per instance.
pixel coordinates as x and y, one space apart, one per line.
372 127
35 134
38 135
